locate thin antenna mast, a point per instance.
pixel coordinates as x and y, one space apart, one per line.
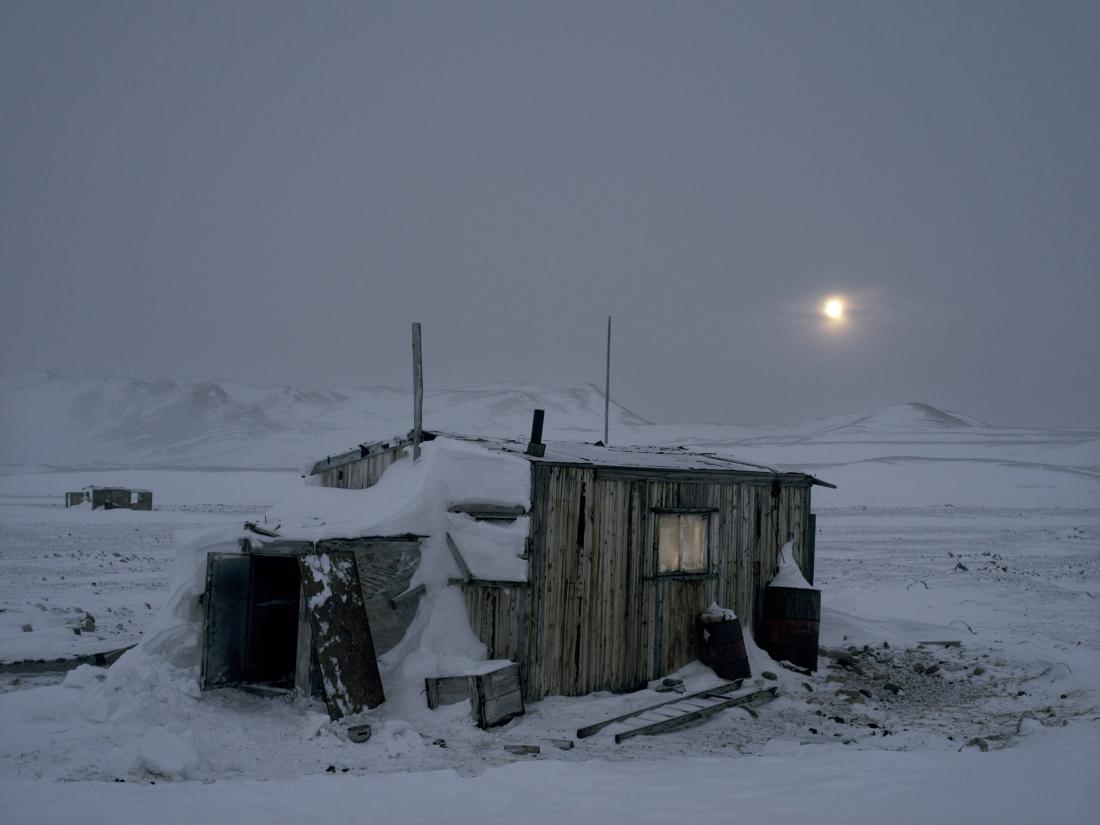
418 391
607 385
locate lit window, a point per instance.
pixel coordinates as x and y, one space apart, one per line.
682 542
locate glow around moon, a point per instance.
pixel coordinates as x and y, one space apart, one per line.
834 309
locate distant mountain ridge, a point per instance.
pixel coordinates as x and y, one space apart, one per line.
63 419
67 419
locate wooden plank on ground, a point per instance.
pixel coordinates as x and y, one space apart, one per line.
589 730
663 726
341 631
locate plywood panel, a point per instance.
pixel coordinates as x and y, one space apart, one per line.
341 631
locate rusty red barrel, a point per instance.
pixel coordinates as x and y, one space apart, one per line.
722 648
792 619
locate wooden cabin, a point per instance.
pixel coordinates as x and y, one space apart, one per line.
624 548
111 498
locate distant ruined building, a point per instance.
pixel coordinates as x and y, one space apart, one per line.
111 498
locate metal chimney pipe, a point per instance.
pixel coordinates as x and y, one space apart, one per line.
418 391
535 446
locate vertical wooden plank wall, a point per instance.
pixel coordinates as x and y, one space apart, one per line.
600 616
358 475
500 616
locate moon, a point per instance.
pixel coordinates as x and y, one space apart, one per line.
834 309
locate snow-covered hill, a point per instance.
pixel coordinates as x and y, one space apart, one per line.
67 420
900 454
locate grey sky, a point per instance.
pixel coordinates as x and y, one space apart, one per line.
276 190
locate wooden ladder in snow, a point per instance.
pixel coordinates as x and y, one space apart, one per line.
675 713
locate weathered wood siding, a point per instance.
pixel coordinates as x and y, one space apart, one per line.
362 473
601 618
500 616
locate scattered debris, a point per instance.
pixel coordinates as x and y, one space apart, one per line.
251 526
523 750
359 733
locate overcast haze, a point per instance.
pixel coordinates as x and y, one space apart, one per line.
274 191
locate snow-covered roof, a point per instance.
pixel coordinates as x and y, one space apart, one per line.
126 489
573 452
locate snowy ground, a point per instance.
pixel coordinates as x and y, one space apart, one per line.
1012 710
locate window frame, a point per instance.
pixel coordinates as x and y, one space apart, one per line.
707 514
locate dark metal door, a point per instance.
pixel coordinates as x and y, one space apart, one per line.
225 625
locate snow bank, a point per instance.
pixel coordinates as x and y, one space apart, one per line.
410 498
491 550
146 698
814 785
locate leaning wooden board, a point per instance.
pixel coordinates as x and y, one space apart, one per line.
341 631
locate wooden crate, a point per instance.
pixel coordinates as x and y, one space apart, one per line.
495 697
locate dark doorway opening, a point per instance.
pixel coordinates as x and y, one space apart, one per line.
273 621
257 633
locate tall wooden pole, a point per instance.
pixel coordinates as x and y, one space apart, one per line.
418 391
607 385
